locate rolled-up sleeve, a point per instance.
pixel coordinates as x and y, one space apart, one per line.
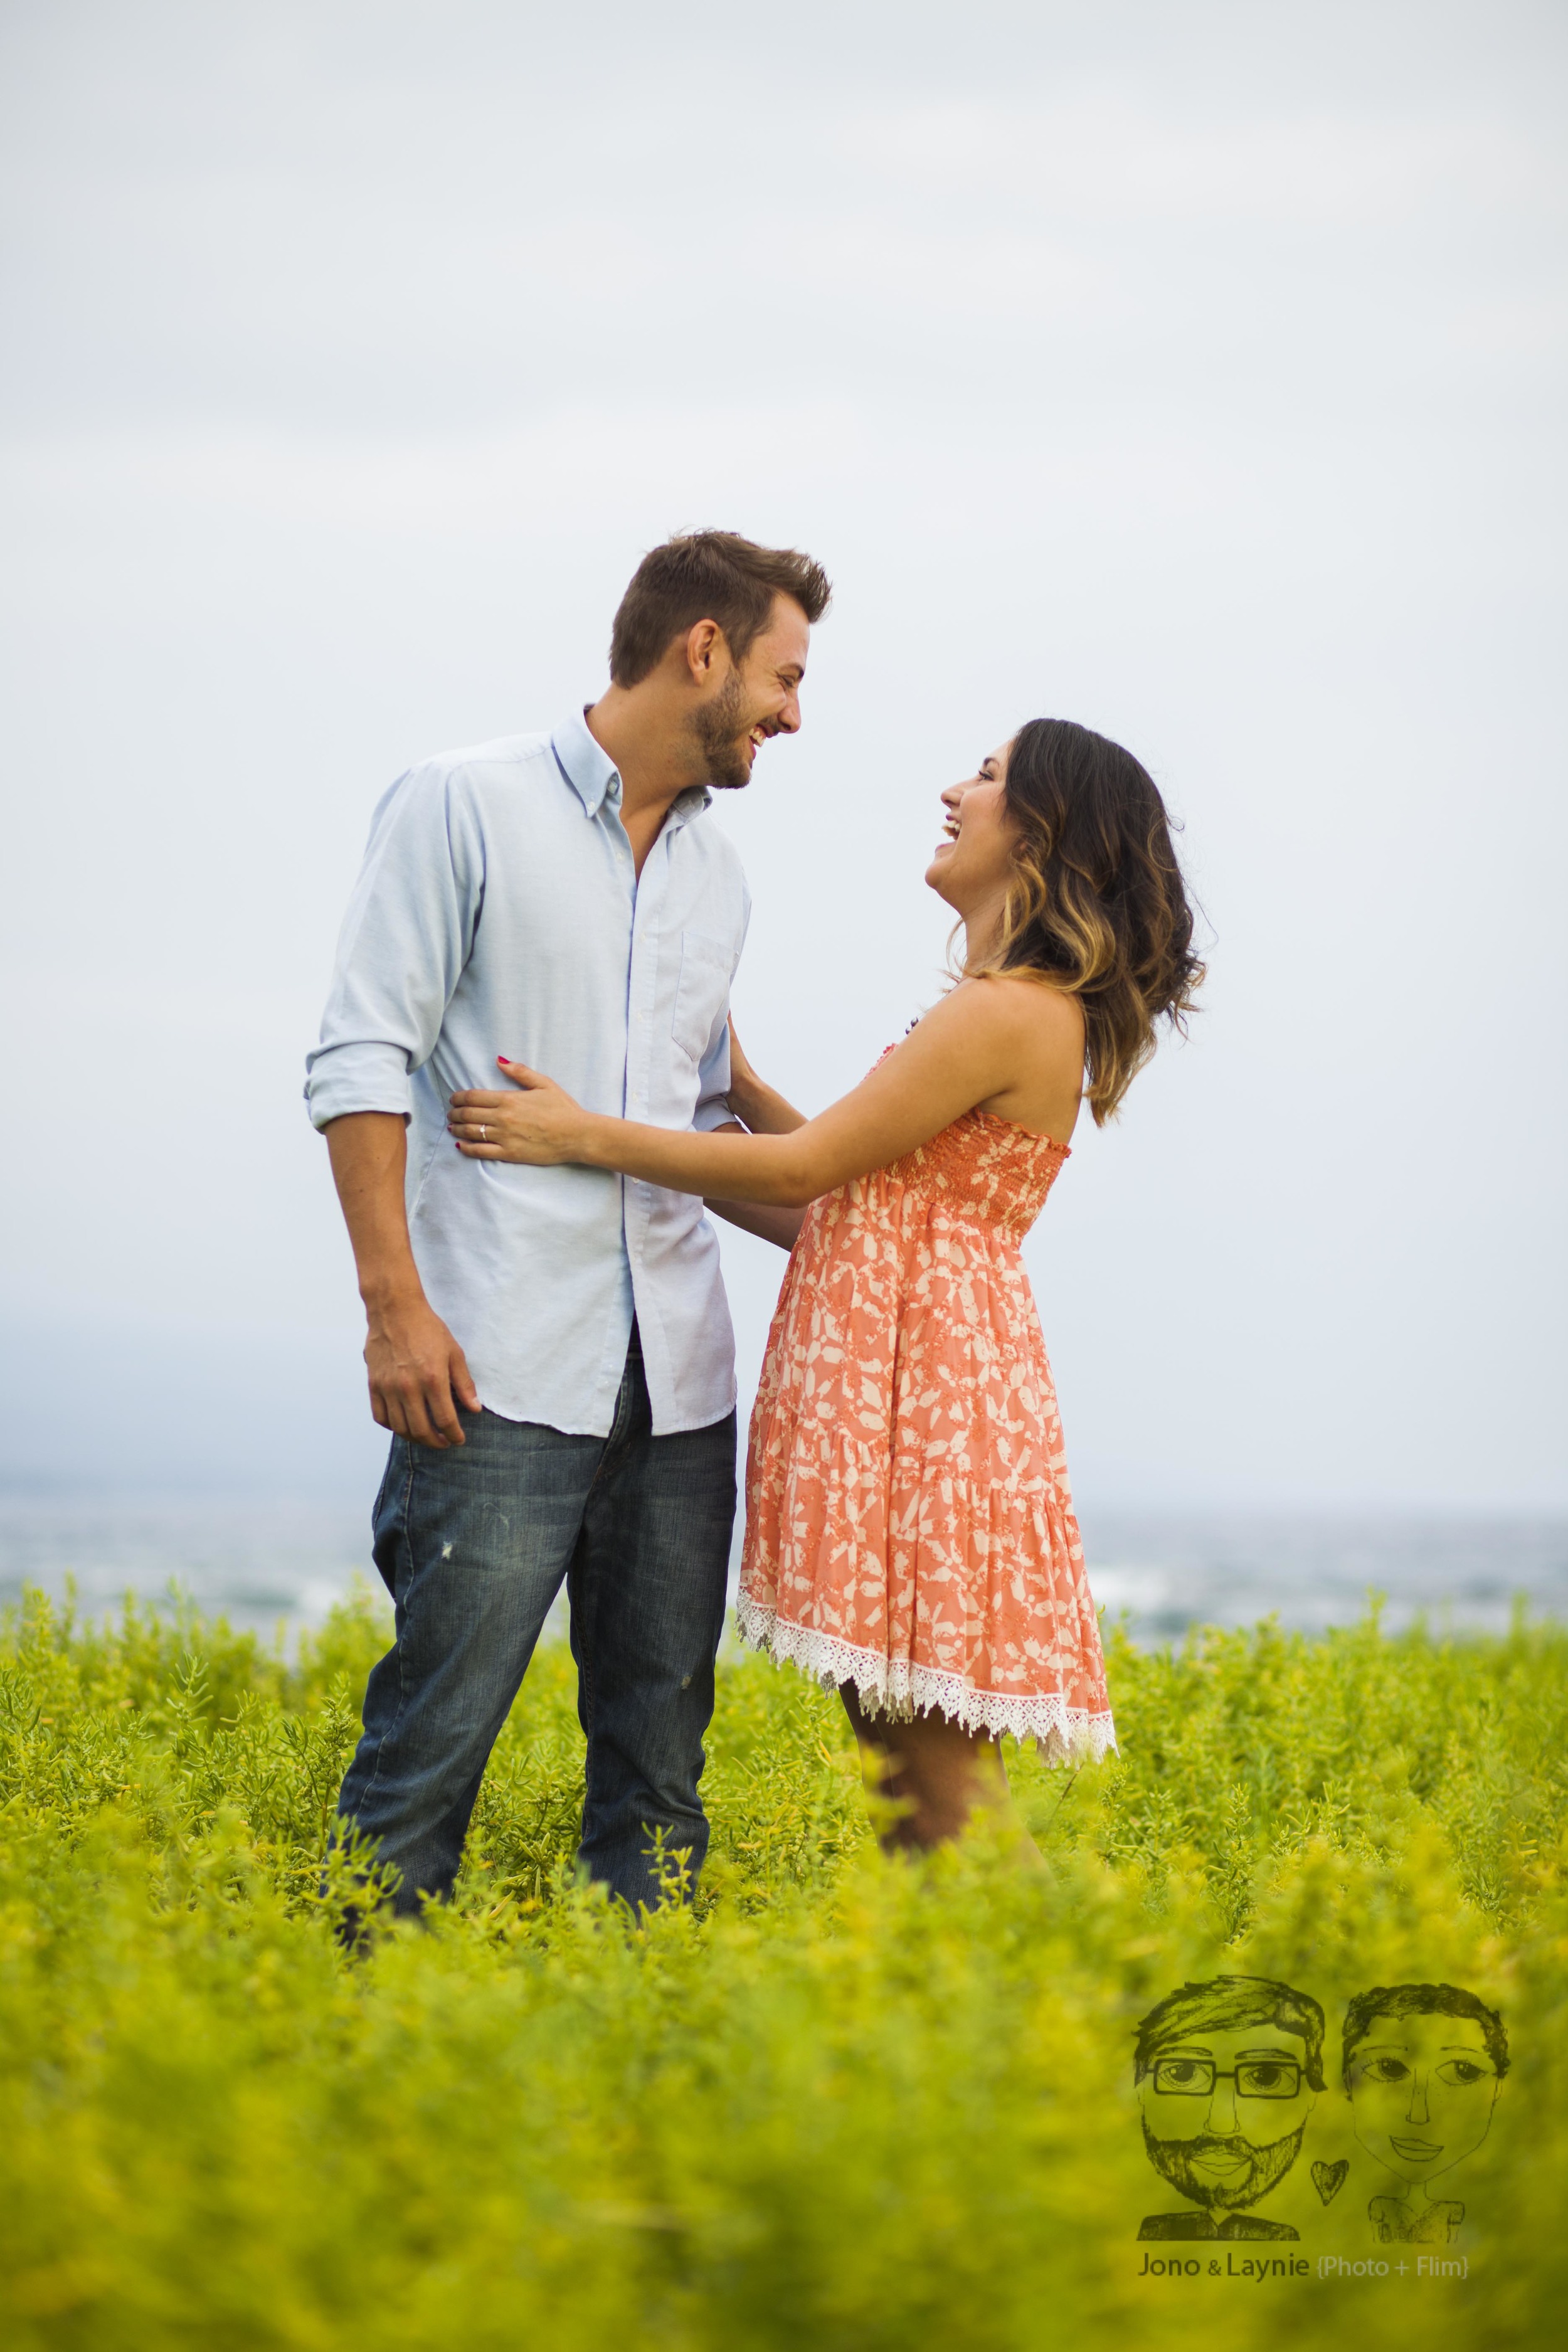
408 935
713 1086
713 1071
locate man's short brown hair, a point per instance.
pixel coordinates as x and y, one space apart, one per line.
708 575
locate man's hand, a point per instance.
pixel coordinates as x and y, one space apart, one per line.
417 1374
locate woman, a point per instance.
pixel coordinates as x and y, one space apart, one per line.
909 1530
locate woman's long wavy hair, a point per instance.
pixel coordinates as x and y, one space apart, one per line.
1097 905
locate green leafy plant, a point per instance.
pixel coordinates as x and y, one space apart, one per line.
838 2102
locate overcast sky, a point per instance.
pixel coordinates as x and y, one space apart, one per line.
1193 371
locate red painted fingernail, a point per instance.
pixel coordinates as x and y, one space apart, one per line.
501 1062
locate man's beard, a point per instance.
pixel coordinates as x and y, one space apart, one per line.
717 726
1267 2166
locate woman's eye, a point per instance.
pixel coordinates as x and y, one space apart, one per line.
1387 2070
1461 2073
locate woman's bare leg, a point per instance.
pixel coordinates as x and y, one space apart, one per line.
936 1773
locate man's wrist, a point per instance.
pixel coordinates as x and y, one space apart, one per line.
385 1295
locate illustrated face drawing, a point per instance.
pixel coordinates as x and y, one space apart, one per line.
1422 2066
1226 2074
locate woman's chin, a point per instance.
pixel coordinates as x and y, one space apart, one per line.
936 873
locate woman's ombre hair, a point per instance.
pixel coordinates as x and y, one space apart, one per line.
1097 905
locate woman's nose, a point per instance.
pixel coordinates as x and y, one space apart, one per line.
1419 2112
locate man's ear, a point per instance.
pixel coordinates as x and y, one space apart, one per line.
704 646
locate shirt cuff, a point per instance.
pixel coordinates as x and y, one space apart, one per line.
361 1077
712 1112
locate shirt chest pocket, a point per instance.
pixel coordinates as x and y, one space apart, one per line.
701 991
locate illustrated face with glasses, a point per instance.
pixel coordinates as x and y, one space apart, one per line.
1223 2113
1254 2077
1227 2076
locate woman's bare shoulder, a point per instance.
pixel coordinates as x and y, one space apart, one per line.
1018 1006
1037 1031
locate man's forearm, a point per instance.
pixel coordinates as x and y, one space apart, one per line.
369 1151
418 1377
780 1227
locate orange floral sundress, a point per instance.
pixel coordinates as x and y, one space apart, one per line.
909 1528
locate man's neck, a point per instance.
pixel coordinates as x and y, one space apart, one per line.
657 757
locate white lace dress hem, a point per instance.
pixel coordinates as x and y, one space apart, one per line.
900 1690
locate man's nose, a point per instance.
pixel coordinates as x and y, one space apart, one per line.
789 716
1222 2110
1419 2112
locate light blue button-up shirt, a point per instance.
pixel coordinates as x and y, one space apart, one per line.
499 911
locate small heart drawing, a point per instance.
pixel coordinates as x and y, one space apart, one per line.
1330 2178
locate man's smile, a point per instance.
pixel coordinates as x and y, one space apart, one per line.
1221 2163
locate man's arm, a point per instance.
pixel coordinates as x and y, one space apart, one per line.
417 1368
775 1224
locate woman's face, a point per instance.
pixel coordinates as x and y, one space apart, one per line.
1422 2090
974 862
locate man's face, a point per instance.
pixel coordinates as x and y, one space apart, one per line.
1223 2113
754 698
1422 2091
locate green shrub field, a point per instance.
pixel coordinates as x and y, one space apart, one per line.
839 2103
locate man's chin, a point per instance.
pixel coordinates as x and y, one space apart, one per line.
731 774
1243 2185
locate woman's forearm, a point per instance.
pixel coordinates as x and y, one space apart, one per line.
772 1168
762 1108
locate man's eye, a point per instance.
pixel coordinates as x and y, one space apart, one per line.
1178 2070
1265 2077
1387 2070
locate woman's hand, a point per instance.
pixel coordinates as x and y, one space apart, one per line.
755 1104
740 1070
540 1125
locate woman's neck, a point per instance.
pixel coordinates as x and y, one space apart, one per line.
982 931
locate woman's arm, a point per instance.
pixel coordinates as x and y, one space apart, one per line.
967 1048
764 1111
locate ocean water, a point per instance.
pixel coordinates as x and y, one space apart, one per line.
1165 1572
269 1564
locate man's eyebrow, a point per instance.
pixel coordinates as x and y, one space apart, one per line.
1269 2050
1182 2050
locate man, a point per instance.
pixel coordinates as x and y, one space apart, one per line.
1423 2066
1225 2073
551 1347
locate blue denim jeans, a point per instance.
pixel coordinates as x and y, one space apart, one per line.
473 1544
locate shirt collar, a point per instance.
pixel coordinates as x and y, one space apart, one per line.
595 777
